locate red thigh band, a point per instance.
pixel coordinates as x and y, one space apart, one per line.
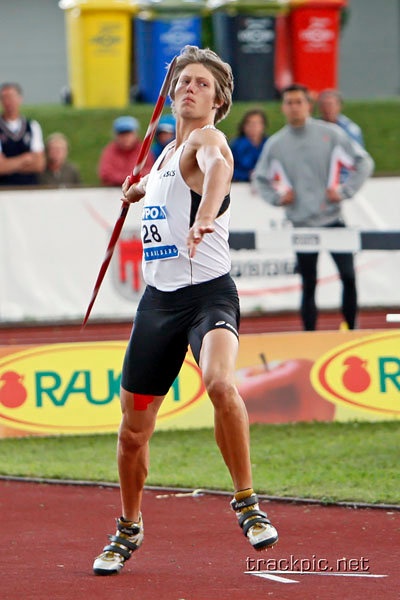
141 401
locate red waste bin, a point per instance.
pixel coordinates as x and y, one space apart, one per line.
314 30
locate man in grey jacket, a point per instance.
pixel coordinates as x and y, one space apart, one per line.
299 169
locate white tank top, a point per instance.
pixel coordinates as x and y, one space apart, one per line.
168 213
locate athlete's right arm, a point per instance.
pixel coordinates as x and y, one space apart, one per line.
135 192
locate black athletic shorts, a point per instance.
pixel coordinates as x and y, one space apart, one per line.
166 323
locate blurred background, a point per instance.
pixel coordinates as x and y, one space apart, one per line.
51 46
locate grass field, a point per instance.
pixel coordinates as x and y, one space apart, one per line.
89 130
356 462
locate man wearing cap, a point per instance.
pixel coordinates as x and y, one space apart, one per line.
165 133
119 157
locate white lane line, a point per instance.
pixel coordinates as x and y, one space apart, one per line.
277 575
271 576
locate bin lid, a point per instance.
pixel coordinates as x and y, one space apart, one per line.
324 3
131 5
161 6
240 5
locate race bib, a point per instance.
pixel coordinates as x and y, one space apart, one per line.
156 236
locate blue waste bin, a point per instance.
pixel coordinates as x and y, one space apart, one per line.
161 30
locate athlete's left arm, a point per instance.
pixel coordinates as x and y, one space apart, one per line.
214 159
134 192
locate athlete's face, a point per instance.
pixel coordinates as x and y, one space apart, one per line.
195 92
296 107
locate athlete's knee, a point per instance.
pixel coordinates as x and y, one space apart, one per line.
220 390
130 440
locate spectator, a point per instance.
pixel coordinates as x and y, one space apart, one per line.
165 133
330 105
59 171
119 157
21 141
246 147
298 170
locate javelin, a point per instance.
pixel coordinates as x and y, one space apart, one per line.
133 178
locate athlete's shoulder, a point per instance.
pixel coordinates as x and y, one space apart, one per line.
209 138
208 134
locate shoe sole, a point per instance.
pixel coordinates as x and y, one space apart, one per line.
98 571
265 544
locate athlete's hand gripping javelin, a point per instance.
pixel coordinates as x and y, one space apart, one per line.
136 191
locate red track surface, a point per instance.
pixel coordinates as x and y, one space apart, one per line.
193 548
71 332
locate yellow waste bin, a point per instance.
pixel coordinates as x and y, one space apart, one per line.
99 41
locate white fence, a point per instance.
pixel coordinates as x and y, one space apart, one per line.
52 243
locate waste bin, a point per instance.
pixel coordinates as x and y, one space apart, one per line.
99 36
315 32
162 28
245 36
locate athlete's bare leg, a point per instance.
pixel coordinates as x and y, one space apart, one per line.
135 431
217 362
137 425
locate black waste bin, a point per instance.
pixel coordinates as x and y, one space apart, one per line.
162 29
244 35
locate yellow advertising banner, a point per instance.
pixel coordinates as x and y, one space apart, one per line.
285 377
322 376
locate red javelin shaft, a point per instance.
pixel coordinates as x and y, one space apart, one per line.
134 177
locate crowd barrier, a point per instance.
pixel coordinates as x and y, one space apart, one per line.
314 240
52 243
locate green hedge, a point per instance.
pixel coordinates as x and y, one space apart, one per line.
88 130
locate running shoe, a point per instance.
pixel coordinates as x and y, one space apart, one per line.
254 522
127 539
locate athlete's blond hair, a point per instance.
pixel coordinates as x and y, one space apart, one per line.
220 70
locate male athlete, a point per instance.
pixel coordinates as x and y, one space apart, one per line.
190 299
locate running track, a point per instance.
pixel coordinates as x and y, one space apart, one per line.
72 332
193 548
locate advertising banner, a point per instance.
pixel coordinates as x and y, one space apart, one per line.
286 377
